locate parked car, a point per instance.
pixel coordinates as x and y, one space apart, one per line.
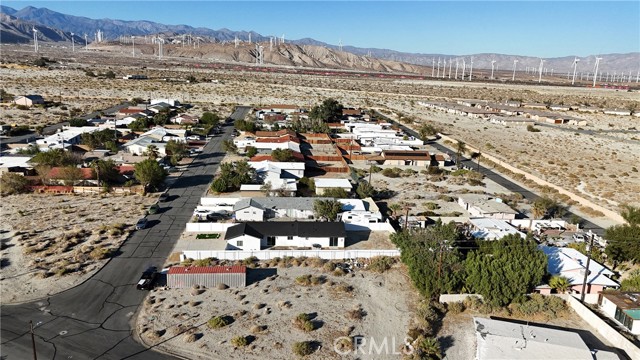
153 209
193 137
142 223
148 279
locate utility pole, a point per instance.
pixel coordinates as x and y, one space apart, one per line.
586 270
33 341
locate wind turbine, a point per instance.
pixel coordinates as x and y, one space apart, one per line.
575 66
540 71
456 77
433 67
450 61
492 64
438 73
73 44
513 77
464 67
35 39
471 70
86 44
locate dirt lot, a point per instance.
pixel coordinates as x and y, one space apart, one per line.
265 309
53 242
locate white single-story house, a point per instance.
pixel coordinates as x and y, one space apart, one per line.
263 235
263 208
325 183
28 100
482 206
290 170
624 307
69 136
492 229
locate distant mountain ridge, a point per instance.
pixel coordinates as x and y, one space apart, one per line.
112 29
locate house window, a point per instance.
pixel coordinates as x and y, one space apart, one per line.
239 243
289 237
333 241
271 241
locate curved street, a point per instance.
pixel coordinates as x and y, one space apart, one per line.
95 320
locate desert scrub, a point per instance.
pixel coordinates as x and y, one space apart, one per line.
218 322
302 348
239 341
100 253
381 264
308 280
303 322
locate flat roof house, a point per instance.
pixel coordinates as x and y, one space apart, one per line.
482 206
497 339
624 307
323 183
263 235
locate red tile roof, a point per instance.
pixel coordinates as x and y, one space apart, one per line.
281 139
87 173
207 270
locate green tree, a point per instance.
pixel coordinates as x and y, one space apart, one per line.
433 262
631 214
210 118
560 283
176 148
251 151
338 193
426 348
365 190
461 148
105 171
55 157
150 174
13 183
329 111
139 124
505 270
282 155
427 130
78 122
631 283
70 175
161 118
395 209
232 175
229 147
152 152
327 209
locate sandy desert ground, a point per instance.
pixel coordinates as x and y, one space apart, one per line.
264 311
53 242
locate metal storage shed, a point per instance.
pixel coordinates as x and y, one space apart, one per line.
180 277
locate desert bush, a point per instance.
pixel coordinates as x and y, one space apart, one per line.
537 304
100 253
303 322
345 344
218 322
302 348
342 288
250 261
455 307
257 329
315 262
381 264
329 266
239 341
339 272
356 314
222 286
309 280
189 338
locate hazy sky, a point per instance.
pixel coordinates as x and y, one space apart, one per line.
540 28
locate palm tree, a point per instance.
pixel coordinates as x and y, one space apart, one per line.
538 211
560 283
152 152
429 348
631 214
461 148
395 207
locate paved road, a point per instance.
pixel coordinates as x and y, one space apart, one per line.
504 182
94 320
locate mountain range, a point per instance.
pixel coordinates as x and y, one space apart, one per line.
55 26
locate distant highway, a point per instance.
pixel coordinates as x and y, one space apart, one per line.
499 179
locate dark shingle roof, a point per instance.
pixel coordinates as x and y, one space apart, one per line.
287 228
